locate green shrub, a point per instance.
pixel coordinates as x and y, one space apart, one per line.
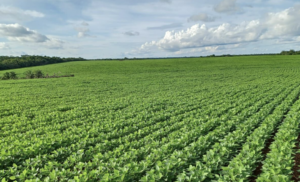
34 74
12 75
29 74
5 76
38 74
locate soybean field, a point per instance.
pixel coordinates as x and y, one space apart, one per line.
223 119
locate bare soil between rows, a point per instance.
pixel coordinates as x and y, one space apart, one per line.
265 151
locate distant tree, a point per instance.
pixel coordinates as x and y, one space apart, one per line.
38 74
10 62
12 75
292 52
283 53
29 74
5 76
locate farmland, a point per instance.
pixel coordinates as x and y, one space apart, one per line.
195 119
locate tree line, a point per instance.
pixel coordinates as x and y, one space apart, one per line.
290 52
11 62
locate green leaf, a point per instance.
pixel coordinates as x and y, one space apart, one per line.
13 178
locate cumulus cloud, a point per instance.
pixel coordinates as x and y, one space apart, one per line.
273 26
20 33
284 23
8 14
201 36
132 33
167 26
201 17
4 46
227 6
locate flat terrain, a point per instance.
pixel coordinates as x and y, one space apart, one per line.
194 119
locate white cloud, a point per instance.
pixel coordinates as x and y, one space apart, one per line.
20 33
201 36
227 6
146 49
4 46
12 14
201 17
189 51
132 33
284 23
207 50
273 26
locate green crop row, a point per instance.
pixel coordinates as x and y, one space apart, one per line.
242 166
280 161
103 147
152 120
214 159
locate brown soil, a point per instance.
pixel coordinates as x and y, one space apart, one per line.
264 151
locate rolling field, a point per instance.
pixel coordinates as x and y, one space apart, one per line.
195 119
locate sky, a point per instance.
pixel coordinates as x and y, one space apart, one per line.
95 29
